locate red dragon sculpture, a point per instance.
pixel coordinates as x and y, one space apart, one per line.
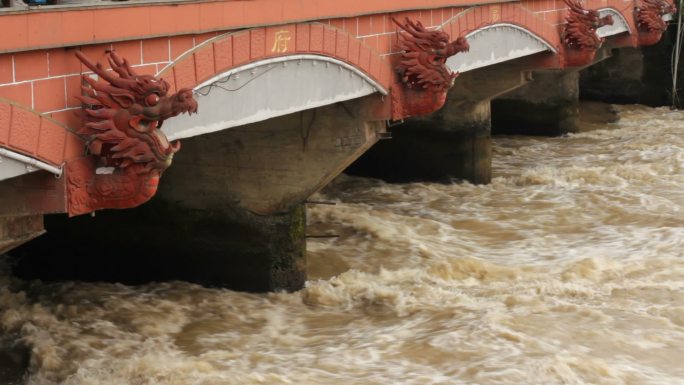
128 153
649 19
579 33
422 71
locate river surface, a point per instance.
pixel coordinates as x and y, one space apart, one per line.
567 269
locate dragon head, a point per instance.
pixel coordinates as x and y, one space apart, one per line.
666 7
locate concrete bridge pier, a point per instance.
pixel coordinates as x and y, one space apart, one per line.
633 75
547 106
440 147
453 143
617 79
18 229
229 211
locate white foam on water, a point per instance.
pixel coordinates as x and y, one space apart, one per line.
567 269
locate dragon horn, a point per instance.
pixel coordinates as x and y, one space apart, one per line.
100 71
96 68
118 67
122 64
113 56
84 59
396 22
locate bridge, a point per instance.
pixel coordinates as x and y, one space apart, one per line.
289 95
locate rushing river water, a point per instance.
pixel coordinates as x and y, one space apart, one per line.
567 269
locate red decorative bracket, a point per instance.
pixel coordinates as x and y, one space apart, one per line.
579 34
648 15
126 151
424 78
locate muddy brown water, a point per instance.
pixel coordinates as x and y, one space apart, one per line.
567 269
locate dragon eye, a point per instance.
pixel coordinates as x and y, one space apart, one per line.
152 99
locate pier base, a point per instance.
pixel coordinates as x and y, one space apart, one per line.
159 241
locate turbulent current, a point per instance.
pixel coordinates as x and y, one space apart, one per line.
567 269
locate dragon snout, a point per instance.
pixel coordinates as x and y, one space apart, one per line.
187 101
193 106
607 20
465 47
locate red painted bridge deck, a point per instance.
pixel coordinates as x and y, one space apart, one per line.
70 25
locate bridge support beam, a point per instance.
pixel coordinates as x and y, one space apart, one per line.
229 211
547 106
617 79
633 75
440 148
454 143
18 229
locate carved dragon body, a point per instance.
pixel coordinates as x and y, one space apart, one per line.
649 15
122 117
422 68
581 25
579 33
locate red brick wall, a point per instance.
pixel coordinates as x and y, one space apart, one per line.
25 131
48 79
236 49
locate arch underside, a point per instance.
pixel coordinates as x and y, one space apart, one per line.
9 168
14 164
497 43
270 88
619 23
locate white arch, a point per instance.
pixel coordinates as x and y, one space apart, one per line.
497 43
269 88
14 164
620 25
